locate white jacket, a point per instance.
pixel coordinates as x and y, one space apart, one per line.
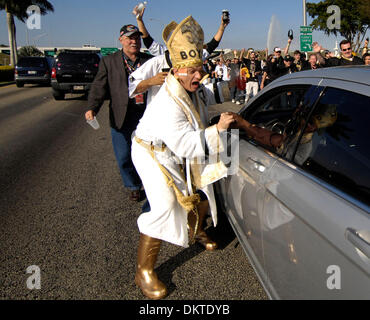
177 121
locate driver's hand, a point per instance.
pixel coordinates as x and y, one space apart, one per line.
225 122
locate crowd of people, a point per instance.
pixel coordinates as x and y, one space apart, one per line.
159 125
247 73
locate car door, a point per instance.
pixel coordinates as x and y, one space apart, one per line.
315 216
245 190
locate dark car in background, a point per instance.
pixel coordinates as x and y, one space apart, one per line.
35 70
73 72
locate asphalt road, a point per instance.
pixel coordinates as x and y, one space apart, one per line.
64 209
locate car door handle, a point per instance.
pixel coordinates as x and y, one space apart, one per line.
361 244
257 165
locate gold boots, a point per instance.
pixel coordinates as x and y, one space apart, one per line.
145 277
200 235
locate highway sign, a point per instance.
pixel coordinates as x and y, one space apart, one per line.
49 53
305 29
107 51
306 42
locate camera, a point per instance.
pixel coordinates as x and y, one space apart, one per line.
226 16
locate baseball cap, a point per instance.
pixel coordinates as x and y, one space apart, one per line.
276 49
128 30
288 58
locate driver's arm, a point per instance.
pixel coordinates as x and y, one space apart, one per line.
261 135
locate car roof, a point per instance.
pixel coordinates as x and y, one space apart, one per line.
31 57
359 74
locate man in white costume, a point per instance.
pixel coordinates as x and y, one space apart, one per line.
171 134
150 76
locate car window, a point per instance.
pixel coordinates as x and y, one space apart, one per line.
32 62
335 145
284 111
78 58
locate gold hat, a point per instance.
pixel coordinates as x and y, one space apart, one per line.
184 42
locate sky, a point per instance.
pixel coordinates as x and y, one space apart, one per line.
78 22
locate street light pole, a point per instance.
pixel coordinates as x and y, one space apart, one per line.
27 37
304 13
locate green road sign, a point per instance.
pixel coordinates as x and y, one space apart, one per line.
49 53
305 29
107 51
306 42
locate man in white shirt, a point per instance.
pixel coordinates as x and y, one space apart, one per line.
219 71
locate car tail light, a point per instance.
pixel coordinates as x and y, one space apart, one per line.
53 73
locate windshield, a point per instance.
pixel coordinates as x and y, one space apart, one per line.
78 58
32 62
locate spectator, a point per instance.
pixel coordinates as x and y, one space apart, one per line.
313 63
327 54
300 61
365 49
219 71
346 58
279 60
157 49
226 76
366 58
254 68
277 66
124 113
208 66
212 65
299 58
268 76
234 75
289 66
241 83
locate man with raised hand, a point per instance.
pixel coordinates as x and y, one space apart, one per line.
346 57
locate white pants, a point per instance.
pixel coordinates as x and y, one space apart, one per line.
167 220
251 88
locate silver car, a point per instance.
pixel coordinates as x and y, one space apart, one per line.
302 211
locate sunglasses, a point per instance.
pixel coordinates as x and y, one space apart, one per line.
348 49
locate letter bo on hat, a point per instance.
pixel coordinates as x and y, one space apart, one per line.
128 30
185 43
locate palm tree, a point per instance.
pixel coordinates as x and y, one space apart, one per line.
19 9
